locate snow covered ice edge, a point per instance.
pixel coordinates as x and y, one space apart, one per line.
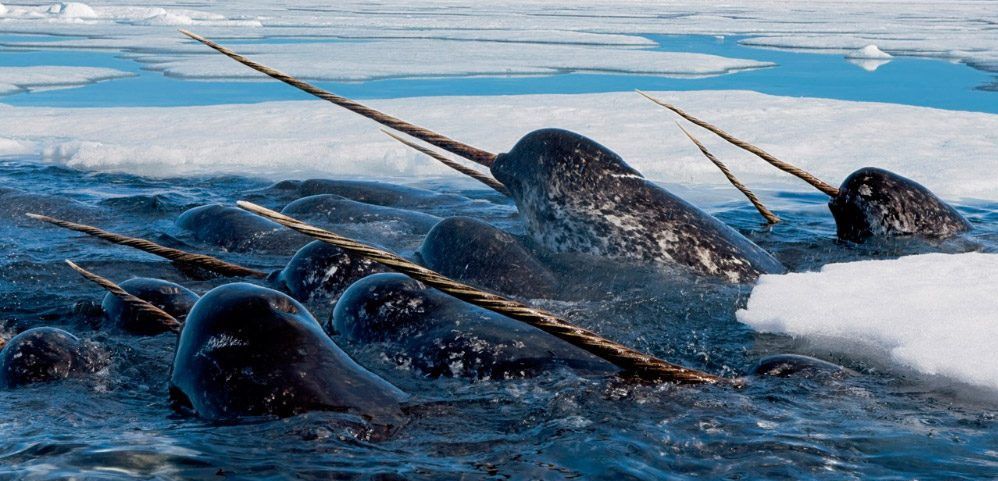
934 313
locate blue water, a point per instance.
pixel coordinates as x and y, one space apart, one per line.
911 81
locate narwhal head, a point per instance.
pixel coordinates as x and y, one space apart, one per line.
875 202
558 178
247 350
556 162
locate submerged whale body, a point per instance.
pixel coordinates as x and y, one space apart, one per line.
333 209
319 272
14 203
380 193
796 365
368 192
440 335
236 230
45 354
487 257
576 195
247 350
171 297
874 202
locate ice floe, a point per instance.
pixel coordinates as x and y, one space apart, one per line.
934 313
420 58
17 79
871 52
953 153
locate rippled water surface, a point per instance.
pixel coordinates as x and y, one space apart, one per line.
886 423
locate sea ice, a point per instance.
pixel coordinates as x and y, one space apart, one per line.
869 52
584 29
419 58
16 79
953 153
72 10
934 313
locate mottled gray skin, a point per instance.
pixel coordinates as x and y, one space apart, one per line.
236 230
439 335
332 209
45 354
877 203
246 350
487 257
319 272
171 297
787 365
576 195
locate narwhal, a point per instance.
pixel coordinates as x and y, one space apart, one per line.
871 202
575 195
44 354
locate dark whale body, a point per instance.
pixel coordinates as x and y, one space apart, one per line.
380 193
487 257
14 203
247 350
330 209
45 354
368 192
439 335
874 202
171 297
576 195
787 365
237 230
319 272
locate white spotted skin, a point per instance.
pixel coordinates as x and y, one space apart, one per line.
429 332
578 196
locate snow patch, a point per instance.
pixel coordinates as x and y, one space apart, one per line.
935 313
72 10
869 52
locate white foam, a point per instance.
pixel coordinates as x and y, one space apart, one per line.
869 52
934 313
3 9
14 79
955 154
